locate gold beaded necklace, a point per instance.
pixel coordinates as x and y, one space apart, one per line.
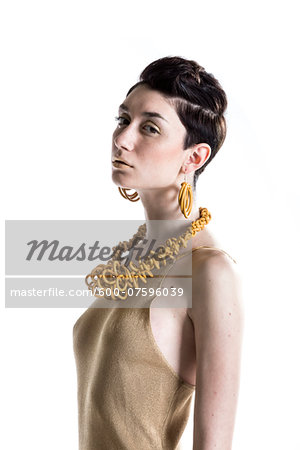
115 278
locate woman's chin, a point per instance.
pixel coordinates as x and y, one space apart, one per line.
121 181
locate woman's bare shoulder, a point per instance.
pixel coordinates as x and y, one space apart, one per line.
216 276
208 247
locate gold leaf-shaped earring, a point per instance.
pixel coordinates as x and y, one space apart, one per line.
185 198
131 197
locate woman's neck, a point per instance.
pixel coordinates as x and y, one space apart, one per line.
164 218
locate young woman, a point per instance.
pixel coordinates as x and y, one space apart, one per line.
138 367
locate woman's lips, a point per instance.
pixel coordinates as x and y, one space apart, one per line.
120 164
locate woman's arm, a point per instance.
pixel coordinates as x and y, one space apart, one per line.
218 318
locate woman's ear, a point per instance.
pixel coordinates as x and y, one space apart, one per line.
199 155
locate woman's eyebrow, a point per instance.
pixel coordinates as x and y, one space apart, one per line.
145 113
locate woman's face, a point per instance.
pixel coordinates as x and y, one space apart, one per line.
151 145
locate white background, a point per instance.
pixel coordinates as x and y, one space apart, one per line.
65 68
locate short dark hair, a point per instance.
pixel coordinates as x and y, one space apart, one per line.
198 99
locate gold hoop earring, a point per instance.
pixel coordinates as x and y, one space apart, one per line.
185 198
131 197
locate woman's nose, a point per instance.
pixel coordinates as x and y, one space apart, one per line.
124 140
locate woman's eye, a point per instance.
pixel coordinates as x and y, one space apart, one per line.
151 129
118 118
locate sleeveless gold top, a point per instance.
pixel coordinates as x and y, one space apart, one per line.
129 396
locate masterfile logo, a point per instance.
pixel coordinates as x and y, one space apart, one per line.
47 262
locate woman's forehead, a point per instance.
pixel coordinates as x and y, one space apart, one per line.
145 99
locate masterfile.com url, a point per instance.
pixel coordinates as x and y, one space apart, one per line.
50 292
